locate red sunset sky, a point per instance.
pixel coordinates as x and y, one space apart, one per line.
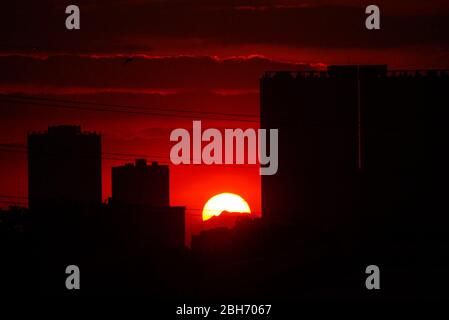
203 56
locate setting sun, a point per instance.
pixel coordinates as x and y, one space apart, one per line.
229 202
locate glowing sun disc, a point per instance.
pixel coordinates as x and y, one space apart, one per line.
224 202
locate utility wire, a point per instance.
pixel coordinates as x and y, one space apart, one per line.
121 111
129 106
129 157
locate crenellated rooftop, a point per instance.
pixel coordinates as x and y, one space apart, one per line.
370 71
64 130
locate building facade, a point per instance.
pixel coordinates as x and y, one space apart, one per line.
64 166
141 184
140 207
356 143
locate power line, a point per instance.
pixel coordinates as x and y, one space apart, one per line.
121 111
129 106
131 157
20 148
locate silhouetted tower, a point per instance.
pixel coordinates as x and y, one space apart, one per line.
64 167
141 184
141 209
357 143
316 114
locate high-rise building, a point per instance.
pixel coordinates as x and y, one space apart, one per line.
64 167
316 115
355 139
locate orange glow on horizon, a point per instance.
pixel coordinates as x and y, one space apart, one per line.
229 202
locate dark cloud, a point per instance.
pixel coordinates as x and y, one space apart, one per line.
66 74
139 26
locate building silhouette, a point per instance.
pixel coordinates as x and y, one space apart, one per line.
359 152
140 184
316 114
140 207
64 166
64 183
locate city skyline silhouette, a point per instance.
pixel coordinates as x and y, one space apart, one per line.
357 178
355 92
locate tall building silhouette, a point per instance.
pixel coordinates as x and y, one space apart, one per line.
316 114
64 166
64 183
141 210
356 139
